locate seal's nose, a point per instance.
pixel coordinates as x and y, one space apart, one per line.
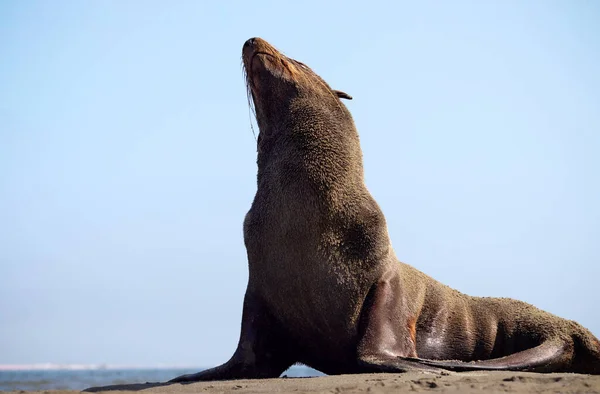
249 43
249 48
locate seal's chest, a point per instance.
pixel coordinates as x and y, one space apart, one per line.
312 301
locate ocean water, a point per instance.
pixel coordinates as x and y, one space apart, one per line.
79 379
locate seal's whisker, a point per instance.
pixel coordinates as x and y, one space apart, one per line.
251 107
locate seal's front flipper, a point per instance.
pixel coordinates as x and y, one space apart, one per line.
236 368
228 371
546 357
261 352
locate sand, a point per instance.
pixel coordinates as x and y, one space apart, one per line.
465 382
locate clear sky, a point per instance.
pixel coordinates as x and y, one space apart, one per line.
127 160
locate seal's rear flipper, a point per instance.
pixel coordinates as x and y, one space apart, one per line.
543 358
395 365
385 345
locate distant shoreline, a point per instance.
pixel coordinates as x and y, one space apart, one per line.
86 367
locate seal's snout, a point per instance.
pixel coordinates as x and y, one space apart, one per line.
255 46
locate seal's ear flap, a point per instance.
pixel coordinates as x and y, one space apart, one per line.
342 95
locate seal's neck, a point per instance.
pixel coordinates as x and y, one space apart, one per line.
314 149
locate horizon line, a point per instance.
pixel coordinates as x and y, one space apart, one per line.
82 367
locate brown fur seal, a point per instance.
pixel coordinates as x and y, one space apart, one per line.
325 287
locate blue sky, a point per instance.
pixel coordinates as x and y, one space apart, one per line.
127 159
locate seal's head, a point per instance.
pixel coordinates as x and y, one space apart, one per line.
276 81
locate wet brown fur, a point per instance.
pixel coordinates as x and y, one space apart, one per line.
325 287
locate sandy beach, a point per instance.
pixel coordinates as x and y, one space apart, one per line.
466 382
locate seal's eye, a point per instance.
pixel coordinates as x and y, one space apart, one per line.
342 95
